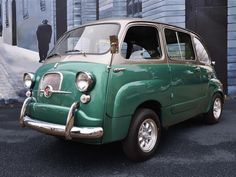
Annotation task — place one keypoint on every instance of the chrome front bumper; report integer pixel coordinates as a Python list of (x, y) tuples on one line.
[(69, 131)]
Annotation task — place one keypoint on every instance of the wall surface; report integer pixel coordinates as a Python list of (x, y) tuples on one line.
[(232, 46), (80, 12), (112, 8), (28, 17), (35, 16), (88, 11), (167, 11), (73, 13), (105, 8)]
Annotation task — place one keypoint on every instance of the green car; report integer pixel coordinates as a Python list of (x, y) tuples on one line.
[(122, 80)]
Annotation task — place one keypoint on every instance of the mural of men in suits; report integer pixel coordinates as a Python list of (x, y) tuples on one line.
[(44, 33)]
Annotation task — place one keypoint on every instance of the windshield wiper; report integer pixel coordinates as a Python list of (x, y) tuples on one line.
[(75, 51), (53, 55)]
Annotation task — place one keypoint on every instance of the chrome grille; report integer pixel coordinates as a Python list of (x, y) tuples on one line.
[(52, 79)]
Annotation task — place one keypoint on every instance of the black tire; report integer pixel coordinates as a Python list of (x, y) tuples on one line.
[(142, 119), (214, 114)]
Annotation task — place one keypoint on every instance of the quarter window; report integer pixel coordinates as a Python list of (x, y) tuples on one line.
[(201, 52), (179, 45), (141, 42)]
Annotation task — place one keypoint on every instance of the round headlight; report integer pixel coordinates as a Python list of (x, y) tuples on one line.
[(84, 81), (28, 80)]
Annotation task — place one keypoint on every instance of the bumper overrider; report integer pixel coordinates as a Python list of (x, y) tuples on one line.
[(69, 131)]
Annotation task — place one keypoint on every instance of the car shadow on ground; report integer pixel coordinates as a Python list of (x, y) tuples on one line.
[(76, 153)]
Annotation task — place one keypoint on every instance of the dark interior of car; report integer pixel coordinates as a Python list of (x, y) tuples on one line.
[(143, 38)]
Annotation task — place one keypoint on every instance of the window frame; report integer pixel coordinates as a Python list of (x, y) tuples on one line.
[(203, 44), (83, 26), (147, 24), (166, 49)]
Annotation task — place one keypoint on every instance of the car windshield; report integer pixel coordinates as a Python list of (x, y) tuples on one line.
[(92, 39)]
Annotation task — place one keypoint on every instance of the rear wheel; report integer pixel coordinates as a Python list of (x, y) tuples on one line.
[(144, 135), (214, 114)]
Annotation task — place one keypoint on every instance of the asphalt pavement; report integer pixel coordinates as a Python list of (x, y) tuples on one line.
[(188, 149)]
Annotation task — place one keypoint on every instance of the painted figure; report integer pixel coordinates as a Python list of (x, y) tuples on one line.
[(44, 33)]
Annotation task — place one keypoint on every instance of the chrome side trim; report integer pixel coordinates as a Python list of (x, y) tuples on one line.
[(57, 91), (59, 130)]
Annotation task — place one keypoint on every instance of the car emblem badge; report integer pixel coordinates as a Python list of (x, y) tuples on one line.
[(48, 91)]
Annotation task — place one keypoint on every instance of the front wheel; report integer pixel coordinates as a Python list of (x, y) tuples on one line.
[(144, 135), (214, 114)]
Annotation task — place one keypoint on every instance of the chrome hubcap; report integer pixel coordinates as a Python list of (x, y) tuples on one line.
[(147, 135), (217, 108)]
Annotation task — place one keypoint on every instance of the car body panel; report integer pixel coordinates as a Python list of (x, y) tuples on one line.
[(58, 104)]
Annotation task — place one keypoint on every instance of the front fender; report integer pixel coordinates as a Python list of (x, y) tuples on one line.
[(126, 101)]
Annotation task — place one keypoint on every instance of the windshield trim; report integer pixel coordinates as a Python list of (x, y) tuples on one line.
[(82, 26)]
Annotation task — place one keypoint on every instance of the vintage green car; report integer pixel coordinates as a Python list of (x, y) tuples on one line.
[(122, 80)]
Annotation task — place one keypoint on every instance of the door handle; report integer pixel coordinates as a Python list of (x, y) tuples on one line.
[(116, 70)]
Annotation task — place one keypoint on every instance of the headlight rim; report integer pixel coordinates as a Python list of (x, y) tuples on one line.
[(90, 84), (32, 78)]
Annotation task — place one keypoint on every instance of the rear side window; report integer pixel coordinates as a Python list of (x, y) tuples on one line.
[(141, 42), (201, 52), (179, 45)]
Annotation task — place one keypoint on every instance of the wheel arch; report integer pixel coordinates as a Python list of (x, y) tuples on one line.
[(222, 95), (220, 92), (153, 105)]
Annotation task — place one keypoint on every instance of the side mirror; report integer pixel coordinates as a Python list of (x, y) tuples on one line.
[(213, 63), (114, 44)]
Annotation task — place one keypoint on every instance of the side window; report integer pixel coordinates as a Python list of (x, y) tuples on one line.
[(179, 45), (201, 52), (141, 42)]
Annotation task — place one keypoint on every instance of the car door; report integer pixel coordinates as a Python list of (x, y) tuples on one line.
[(139, 72), (185, 74)]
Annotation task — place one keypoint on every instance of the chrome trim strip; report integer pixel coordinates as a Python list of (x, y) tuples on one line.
[(59, 130), (57, 91)]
